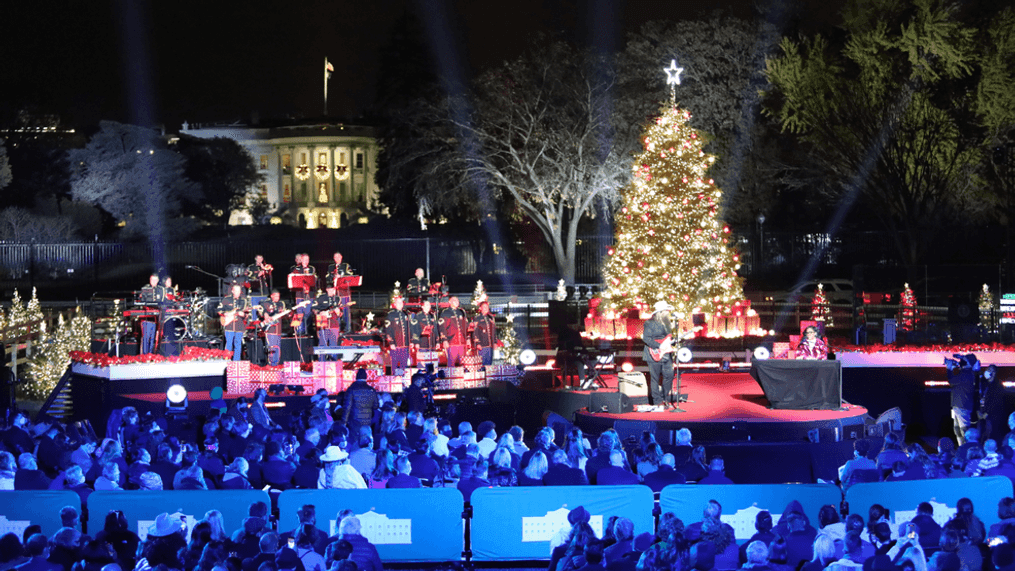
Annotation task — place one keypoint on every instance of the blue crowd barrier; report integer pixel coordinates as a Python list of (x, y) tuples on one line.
[(140, 508), (404, 524), (20, 509), (902, 498), (517, 523), (742, 502)]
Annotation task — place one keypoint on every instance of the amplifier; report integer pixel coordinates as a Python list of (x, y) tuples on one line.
[(632, 384)]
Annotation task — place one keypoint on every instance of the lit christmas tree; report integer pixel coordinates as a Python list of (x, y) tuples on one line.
[(820, 310), (512, 346), (479, 294), (670, 243), (907, 309), (986, 307)]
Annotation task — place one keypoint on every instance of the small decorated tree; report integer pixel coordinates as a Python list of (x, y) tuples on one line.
[(820, 310), (986, 307), (479, 294), (907, 309), (512, 346)]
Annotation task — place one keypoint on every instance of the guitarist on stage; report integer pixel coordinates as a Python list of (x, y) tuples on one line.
[(658, 349), (233, 316), (328, 307), (340, 270), (273, 333)]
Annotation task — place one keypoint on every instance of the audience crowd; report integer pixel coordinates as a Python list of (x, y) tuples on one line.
[(371, 441)]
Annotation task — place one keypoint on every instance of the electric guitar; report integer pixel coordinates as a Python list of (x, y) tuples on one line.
[(228, 317), (271, 319), (667, 346), (324, 316)]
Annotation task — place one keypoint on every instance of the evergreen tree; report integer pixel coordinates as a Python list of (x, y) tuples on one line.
[(670, 242)]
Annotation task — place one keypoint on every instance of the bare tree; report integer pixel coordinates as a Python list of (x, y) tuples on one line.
[(536, 131)]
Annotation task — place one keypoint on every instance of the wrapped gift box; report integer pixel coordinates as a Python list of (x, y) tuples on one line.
[(424, 357), (472, 362), (291, 369), (238, 370), (239, 386), (349, 375), (780, 350), (266, 376)]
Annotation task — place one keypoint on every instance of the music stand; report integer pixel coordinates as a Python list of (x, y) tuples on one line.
[(305, 282), (345, 282)]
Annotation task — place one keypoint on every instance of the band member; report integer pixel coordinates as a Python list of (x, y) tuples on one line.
[(303, 268), (454, 327), (418, 285), (273, 332), (341, 270), (424, 329), (812, 347), (233, 315), (329, 314), (484, 333), (398, 332), (658, 352), (259, 274), (151, 294)]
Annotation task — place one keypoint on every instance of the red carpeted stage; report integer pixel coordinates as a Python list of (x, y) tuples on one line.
[(720, 407)]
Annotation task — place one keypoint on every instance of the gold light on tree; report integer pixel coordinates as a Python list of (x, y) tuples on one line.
[(670, 243)]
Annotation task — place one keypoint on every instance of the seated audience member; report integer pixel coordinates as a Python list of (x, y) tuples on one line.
[(859, 461), (532, 474), (623, 532), (277, 469), (486, 438), (991, 458), (799, 540), (72, 479), (615, 474), (711, 518), (852, 558), (876, 514), (702, 556), (899, 469), (592, 556), (424, 466), (973, 456), (561, 473), (651, 459), (476, 479), (403, 479), (36, 549), (110, 478), (29, 476), (945, 458), (307, 516), (600, 456), (891, 452), (1003, 557), (267, 546), (543, 443), (501, 473), (518, 433), (763, 533), (337, 473), (311, 559), (930, 531), (757, 556), (665, 475), (716, 473), (696, 467), (235, 477), (364, 458), (65, 547), (463, 427), (971, 440), (823, 553), (829, 524), (150, 481), (363, 552), (973, 525), (881, 537), (571, 554), (468, 439), (909, 538)]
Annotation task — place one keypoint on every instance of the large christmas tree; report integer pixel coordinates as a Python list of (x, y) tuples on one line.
[(670, 242)]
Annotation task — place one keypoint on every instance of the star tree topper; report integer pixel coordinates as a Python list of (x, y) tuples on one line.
[(673, 73)]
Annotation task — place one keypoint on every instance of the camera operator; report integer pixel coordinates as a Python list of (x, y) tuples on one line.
[(962, 373), (420, 392)]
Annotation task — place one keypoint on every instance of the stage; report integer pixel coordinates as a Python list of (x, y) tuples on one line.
[(727, 407)]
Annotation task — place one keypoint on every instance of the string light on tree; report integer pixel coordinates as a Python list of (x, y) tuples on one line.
[(820, 310), (986, 307), (907, 309), (511, 346), (670, 243)]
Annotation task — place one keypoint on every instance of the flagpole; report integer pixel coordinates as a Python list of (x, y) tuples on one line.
[(325, 86)]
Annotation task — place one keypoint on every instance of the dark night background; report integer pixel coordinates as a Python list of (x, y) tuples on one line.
[(161, 63)]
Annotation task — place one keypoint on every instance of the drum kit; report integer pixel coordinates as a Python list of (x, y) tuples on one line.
[(185, 317)]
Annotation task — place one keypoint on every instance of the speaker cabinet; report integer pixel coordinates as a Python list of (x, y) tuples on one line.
[(613, 402)]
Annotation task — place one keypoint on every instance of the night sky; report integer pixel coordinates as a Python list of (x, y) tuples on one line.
[(160, 63)]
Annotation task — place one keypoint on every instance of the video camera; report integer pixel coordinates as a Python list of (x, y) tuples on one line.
[(955, 360)]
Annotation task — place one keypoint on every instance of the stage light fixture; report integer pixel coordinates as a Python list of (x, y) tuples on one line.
[(761, 353), (684, 355), (176, 400), (527, 357), (296, 389), (551, 363), (627, 367)]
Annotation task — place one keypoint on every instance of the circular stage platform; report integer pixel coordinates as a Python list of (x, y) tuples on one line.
[(721, 407)]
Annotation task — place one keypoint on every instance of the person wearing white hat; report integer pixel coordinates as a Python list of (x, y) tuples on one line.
[(658, 349), (337, 473)]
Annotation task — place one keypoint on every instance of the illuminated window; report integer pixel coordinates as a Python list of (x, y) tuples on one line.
[(303, 158), (359, 160), (341, 158), (301, 192), (322, 158), (322, 220), (287, 166), (264, 162), (264, 191)]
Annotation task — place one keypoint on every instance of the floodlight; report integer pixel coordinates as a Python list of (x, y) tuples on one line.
[(684, 355), (761, 353), (527, 357)]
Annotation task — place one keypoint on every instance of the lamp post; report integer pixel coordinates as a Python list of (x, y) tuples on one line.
[(761, 241)]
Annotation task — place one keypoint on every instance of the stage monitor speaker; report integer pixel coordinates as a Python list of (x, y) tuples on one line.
[(629, 430), (632, 384), (612, 402), (503, 392)]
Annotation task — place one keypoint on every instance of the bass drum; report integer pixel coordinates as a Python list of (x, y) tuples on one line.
[(174, 328)]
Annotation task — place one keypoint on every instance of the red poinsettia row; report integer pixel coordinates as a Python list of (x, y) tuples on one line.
[(189, 354), (949, 349)]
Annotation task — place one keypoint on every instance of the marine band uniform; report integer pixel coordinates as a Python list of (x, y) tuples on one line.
[(273, 332), (329, 309), (336, 270), (454, 327), (484, 333), (398, 334)]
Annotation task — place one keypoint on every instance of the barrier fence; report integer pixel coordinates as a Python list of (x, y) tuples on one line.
[(428, 525)]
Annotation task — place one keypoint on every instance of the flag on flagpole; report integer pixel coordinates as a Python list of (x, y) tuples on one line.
[(328, 66)]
